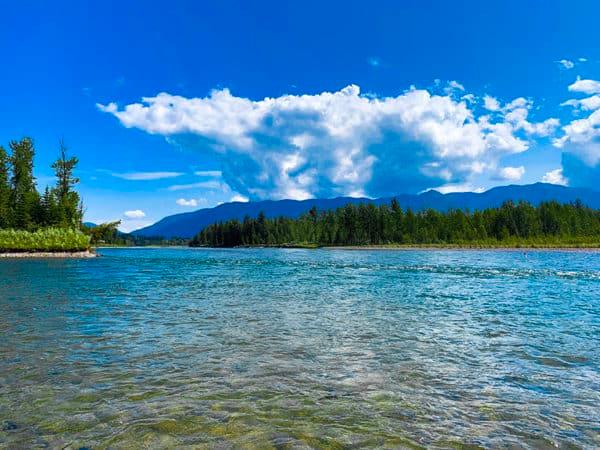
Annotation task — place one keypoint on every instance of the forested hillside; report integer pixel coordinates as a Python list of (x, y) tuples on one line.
[(511, 224), (186, 225)]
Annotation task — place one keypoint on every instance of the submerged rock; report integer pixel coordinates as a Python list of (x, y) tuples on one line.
[(9, 425)]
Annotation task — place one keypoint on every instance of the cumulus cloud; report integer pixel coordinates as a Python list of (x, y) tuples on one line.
[(339, 143), (580, 141), (555, 177), (184, 202), (511, 173), (134, 214), (516, 113), (453, 86), (470, 98), (566, 64), (581, 137), (585, 86), (146, 176), (587, 104), (491, 103)]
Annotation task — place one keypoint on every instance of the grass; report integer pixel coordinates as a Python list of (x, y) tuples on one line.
[(43, 240)]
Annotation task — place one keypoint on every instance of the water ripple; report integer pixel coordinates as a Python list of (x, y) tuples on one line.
[(149, 348)]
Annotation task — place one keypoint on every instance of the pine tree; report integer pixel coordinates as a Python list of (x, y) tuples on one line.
[(51, 214), (5, 210), (69, 203), (24, 198)]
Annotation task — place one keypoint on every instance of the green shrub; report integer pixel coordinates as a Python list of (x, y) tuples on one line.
[(43, 240)]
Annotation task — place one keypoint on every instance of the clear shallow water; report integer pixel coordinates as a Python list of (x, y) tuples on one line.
[(151, 348)]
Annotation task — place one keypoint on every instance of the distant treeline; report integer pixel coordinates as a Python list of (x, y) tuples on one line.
[(22, 207), (108, 234), (367, 224)]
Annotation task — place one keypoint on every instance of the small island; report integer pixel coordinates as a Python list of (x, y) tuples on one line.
[(34, 224)]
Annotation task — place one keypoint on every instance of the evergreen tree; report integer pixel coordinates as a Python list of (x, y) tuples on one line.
[(24, 198), (50, 210), (69, 204), (5, 209)]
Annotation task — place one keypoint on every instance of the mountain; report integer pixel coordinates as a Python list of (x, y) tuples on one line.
[(187, 225)]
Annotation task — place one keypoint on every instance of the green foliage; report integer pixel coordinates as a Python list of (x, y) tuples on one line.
[(103, 233), (5, 194), (24, 199), (44, 240), (21, 206), (511, 225), (69, 211)]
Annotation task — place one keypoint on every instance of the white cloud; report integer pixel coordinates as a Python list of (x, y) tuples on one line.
[(469, 98), (146, 176), (456, 85), (453, 86), (134, 214), (458, 187), (585, 86), (184, 202), (587, 104), (511, 173), (580, 141), (200, 185), (566, 64), (582, 59), (515, 115), (581, 137), (338, 143), (208, 173), (491, 103), (239, 198), (555, 177)]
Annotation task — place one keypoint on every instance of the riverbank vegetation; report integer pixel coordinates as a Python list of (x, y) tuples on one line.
[(43, 240), (550, 224), (32, 221)]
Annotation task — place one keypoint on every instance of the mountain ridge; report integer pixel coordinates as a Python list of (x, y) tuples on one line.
[(186, 225)]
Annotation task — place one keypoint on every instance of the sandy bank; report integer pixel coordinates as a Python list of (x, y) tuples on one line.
[(86, 254)]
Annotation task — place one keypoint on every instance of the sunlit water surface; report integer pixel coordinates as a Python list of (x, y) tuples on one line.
[(163, 348)]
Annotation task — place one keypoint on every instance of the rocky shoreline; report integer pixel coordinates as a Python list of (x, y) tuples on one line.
[(84, 254)]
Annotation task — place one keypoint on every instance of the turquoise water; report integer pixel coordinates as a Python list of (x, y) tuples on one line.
[(163, 348)]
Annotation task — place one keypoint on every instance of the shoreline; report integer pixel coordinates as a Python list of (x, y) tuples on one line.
[(55, 255), (458, 247), (412, 247)]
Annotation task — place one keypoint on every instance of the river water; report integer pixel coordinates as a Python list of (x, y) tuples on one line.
[(268, 348)]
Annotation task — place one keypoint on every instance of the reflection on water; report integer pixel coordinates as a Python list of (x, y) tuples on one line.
[(157, 348)]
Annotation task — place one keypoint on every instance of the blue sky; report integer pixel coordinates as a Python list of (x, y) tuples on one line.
[(272, 100)]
